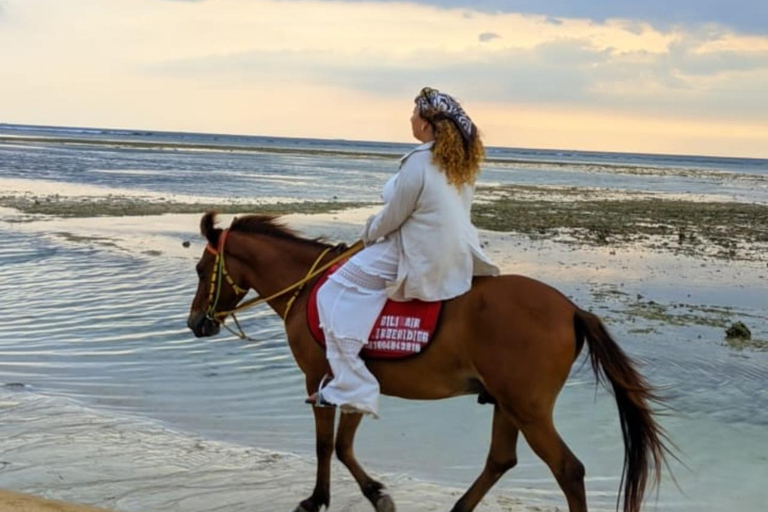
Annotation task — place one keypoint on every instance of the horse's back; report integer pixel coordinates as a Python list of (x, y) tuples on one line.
[(519, 325), (517, 292)]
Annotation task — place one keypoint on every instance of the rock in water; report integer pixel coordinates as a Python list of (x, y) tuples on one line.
[(15, 386), (738, 331)]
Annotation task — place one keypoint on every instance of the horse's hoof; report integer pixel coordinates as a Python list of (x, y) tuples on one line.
[(385, 504), (310, 504), (302, 508)]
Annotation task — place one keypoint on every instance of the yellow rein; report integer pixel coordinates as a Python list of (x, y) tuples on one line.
[(314, 271)]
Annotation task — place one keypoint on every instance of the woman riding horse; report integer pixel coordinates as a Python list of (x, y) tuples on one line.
[(509, 339), (421, 245)]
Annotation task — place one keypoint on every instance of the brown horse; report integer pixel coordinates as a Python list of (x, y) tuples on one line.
[(511, 340)]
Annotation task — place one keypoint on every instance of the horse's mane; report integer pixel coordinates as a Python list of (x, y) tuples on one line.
[(269, 225)]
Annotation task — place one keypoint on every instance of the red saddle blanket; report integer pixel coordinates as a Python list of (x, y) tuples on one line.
[(403, 329)]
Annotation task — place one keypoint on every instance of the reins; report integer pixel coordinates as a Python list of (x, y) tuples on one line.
[(221, 271)]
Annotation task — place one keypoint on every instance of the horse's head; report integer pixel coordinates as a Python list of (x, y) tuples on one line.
[(218, 290)]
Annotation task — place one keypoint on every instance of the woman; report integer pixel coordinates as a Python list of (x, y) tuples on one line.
[(421, 245)]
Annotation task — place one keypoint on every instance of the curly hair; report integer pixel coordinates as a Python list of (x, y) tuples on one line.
[(457, 157)]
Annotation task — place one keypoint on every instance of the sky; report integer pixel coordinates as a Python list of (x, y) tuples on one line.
[(654, 76)]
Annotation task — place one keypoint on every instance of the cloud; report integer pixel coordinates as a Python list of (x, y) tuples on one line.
[(233, 65), (634, 27), (745, 15), (488, 36), (684, 81), (685, 59)]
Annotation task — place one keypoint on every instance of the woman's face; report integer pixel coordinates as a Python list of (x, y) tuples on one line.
[(421, 129)]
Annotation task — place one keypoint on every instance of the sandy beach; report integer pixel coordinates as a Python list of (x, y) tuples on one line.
[(16, 502), (130, 464)]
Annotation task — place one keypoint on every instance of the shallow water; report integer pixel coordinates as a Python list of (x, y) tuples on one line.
[(359, 174), (102, 322), (106, 327)]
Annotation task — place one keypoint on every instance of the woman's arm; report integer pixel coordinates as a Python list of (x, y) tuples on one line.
[(408, 185)]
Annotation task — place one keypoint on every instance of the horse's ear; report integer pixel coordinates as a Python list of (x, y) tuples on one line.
[(208, 228)]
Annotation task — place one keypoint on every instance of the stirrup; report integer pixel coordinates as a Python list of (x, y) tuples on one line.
[(316, 398)]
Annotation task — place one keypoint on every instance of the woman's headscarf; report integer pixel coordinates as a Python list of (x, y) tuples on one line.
[(439, 105)]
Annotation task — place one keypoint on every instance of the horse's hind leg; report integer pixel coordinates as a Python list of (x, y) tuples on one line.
[(567, 469), (372, 489), (501, 458)]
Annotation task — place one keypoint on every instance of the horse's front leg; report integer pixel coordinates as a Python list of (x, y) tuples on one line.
[(372, 489), (321, 496)]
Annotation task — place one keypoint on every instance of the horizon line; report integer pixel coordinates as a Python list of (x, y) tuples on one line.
[(137, 131)]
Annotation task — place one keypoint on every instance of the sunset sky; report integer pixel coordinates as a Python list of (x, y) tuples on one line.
[(661, 76)]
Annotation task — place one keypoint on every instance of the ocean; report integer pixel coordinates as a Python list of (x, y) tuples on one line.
[(94, 332)]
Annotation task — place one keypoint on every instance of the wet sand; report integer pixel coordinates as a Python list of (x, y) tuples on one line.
[(569, 215), (127, 463), (575, 215), (15, 502)]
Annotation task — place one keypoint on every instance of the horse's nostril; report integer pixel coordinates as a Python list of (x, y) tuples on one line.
[(195, 322), (208, 328), (202, 326)]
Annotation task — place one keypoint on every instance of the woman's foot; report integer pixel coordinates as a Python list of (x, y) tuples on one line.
[(317, 400)]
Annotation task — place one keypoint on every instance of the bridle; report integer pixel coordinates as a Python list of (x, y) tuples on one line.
[(214, 289), (220, 274)]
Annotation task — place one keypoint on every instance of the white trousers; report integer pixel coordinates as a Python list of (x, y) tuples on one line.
[(349, 304)]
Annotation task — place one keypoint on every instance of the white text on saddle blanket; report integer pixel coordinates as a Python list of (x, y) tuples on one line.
[(401, 333)]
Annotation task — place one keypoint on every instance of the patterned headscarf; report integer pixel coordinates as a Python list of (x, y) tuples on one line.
[(431, 100)]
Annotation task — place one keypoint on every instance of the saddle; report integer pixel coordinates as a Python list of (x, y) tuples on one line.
[(403, 329)]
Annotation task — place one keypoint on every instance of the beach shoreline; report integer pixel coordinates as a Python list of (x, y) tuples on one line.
[(128, 463), (11, 501), (570, 215)]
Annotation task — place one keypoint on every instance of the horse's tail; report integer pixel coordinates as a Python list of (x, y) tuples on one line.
[(644, 440)]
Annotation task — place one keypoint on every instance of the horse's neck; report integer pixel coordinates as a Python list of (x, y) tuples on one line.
[(277, 264)]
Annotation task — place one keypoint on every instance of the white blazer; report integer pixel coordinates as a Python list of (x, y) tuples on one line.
[(429, 220)]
